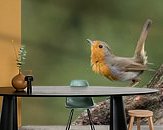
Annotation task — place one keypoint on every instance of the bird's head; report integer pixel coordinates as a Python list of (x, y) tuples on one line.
[(99, 48)]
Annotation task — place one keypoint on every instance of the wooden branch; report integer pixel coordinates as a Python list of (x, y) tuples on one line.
[(157, 80)]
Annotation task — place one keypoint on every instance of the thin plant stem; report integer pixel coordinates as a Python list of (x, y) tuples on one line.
[(14, 49)]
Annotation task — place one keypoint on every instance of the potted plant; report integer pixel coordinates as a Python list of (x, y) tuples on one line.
[(18, 81)]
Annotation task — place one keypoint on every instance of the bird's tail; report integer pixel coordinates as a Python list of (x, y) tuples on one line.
[(140, 54)]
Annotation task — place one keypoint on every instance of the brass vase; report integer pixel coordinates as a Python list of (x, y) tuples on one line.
[(18, 82)]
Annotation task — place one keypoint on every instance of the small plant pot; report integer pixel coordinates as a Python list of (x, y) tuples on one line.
[(18, 82)]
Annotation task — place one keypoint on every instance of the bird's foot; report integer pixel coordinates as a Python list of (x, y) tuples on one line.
[(134, 82)]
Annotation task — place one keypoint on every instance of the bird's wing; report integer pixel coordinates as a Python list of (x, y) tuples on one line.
[(135, 67), (126, 64), (138, 67)]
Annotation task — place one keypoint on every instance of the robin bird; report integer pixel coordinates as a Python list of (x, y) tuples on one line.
[(113, 67)]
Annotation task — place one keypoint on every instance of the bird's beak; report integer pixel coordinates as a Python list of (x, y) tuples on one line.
[(90, 42)]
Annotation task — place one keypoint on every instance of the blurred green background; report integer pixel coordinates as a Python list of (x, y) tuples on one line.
[(55, 33)]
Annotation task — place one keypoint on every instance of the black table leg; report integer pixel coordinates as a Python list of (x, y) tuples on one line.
[(117, 114), (9, 113)]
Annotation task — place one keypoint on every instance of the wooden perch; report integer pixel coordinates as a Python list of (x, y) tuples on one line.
[(154, 102)]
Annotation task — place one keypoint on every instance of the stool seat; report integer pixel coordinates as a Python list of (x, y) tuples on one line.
[(140, 114)]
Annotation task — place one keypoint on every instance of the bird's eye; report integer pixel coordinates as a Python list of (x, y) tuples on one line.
[(100, 46)]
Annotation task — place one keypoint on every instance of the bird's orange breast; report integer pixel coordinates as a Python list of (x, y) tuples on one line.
[(103, 70), (98, 62)]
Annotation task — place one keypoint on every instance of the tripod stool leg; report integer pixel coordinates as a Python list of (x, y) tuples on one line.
[(150, 122), (138, 123), (130, 126)]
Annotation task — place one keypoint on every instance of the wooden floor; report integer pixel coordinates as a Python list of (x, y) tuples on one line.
[(98, 127)]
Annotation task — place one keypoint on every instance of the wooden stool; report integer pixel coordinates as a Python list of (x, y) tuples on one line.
[(140, 114)]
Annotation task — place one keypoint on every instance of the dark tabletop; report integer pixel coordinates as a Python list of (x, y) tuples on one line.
[(62, 91)]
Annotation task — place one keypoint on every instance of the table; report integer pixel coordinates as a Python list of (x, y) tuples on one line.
[(117, 113)]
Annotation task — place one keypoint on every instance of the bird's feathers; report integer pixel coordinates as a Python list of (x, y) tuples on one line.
[(140, 54)]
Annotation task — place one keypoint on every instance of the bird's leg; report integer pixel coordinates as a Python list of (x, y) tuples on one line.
[(134, 82)]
